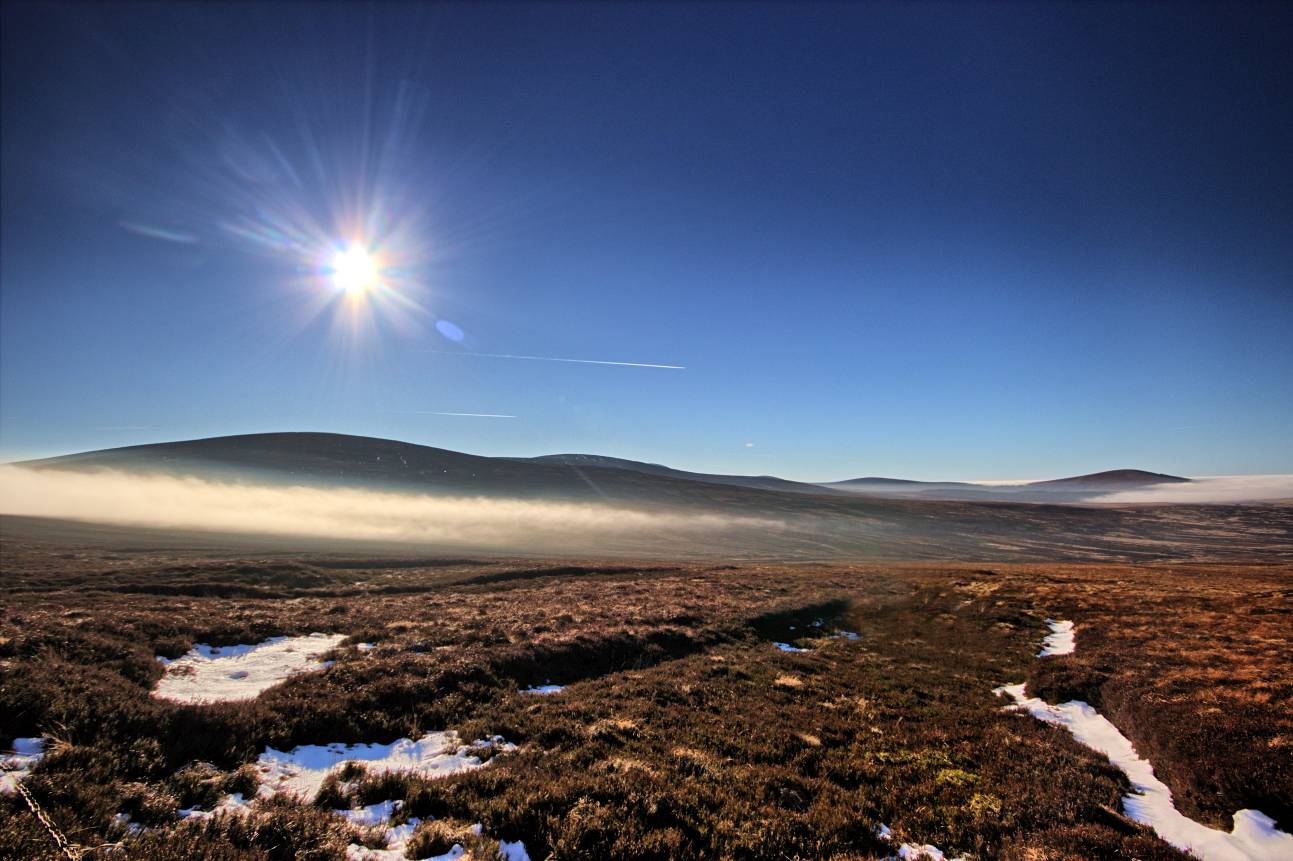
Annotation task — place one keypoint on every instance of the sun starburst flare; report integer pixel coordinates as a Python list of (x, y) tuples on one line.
[(355, 270)]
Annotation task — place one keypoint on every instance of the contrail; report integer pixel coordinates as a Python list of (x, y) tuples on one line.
[(435, 413), (158, 233), (556, 359)]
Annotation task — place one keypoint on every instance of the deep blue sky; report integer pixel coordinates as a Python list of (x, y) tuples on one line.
[(933, 241)]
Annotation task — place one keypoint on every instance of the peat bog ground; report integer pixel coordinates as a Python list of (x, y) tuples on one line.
[(675, 726)]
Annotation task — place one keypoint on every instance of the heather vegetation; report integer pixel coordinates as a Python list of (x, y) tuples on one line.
[(681, 731)]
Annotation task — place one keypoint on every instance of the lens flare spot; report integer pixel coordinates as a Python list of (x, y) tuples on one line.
[(354, 270), (449, 330)]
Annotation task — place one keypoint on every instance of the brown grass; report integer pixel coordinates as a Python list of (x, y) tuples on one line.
[(683, 733)]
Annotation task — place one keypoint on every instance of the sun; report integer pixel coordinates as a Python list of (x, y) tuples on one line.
[(354, 270)]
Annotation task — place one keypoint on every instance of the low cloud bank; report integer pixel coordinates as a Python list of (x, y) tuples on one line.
[(190, 503), (1212, 488)]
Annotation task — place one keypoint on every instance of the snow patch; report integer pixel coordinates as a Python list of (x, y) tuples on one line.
[(454, 853), (543, 689), (397, 837), (365, 647), (208, 674), (786, 647), (123, 820), (373, 814), (512, 851), (913, 851), (17, 765), (1060, 641), (234, 805), (302, 770), (397, 840), (1254, 837)]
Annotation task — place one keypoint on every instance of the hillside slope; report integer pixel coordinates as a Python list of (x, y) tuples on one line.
[(791, 525)]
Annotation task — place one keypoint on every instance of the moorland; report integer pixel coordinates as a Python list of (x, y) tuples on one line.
[(680, 730)]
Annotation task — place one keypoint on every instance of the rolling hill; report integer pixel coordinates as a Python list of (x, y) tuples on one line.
[(1073, 490), (1113, 479), (764, 517), (339, 459), (327, 459)]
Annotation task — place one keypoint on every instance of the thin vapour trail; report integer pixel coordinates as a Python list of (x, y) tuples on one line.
[(438, 413), (557, 359)]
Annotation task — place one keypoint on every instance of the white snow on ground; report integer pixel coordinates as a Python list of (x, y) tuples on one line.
[(402, 755), (397, 839), (18, 764), (1254, 836), (913, 851), (512, 851), (847, 635), (786, 647), (455, 852), (123, 819), (1060, 641), (543, 689), (302, 770), (373, 814), (232, 804), (397, 836), (207, 674), (365, 647)]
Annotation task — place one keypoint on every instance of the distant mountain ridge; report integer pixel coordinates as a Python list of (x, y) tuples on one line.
[(1115, 477), (879, 482), (876, 479), (328, 459), (764, 482), (1078, 488), (747, 517)]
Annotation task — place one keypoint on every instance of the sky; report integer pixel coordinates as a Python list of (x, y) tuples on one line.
[(935, 241)]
